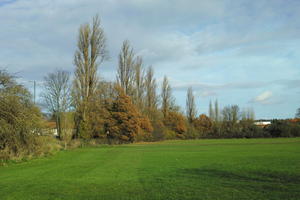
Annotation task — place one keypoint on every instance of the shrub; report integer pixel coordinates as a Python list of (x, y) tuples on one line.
[(123, 121), (192, 132), (158, 130), (20, 122), (279, 128), (175, 121), (295, 130), (203, 125), (169, 134)]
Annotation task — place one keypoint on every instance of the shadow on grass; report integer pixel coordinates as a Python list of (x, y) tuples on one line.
[(213, 183), (245, 176)]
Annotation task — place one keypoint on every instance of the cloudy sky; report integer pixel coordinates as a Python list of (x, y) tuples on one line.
[(244, 52)]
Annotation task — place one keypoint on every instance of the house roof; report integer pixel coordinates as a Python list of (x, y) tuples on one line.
[(51, 124)]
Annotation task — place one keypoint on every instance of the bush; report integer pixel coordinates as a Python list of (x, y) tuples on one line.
[(41, 146), (176, 122), (169, 134), (144, 136), (123, 122), (158, 130), (20, 122), (203, 125), (192, 132), (295, 130), (254, 131), (279, 128)]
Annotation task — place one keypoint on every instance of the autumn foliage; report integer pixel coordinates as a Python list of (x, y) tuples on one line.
[(176, 122), (203, 124), (124, 122)]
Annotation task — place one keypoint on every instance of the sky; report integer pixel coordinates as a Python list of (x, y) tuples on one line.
[(244, 52)]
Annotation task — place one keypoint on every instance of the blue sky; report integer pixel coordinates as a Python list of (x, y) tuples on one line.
[(239, 52)]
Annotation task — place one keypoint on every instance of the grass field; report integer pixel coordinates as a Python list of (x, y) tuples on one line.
[(197, 169)]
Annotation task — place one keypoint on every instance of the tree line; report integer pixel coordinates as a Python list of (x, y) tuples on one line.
[(126, 110), (131, 108)]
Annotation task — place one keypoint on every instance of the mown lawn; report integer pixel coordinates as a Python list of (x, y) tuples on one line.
[(198, 169)]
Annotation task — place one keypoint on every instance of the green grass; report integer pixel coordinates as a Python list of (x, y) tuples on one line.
[(195, 169)]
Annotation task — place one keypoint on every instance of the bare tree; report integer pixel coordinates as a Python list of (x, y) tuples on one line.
[(125, 73), (248, 114), (211, 111), (139, 82), (191, 111), (217, 112), (151, 98), (298, 113), (166, 96), (231, 114), (226, 114), (235, 110), (106, 91), (56, 95), (91, 52)]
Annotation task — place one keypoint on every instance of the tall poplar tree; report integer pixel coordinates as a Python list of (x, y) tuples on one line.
[(90, 53), (166, 97), (190, 105), (217, 112), (211, 111), (139, 83), (125, 73), (151, 100)]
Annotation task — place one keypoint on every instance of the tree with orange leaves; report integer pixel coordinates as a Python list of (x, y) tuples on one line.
[(176, 122), (124, 122), (203, 124)]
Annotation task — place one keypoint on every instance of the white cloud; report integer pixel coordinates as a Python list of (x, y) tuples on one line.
[(224, 86), (207, 93), (264, 97)]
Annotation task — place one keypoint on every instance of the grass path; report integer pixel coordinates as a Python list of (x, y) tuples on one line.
[(197, 169)]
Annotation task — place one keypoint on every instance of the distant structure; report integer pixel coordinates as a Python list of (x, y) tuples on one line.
[(262, 123), (51, 128)]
